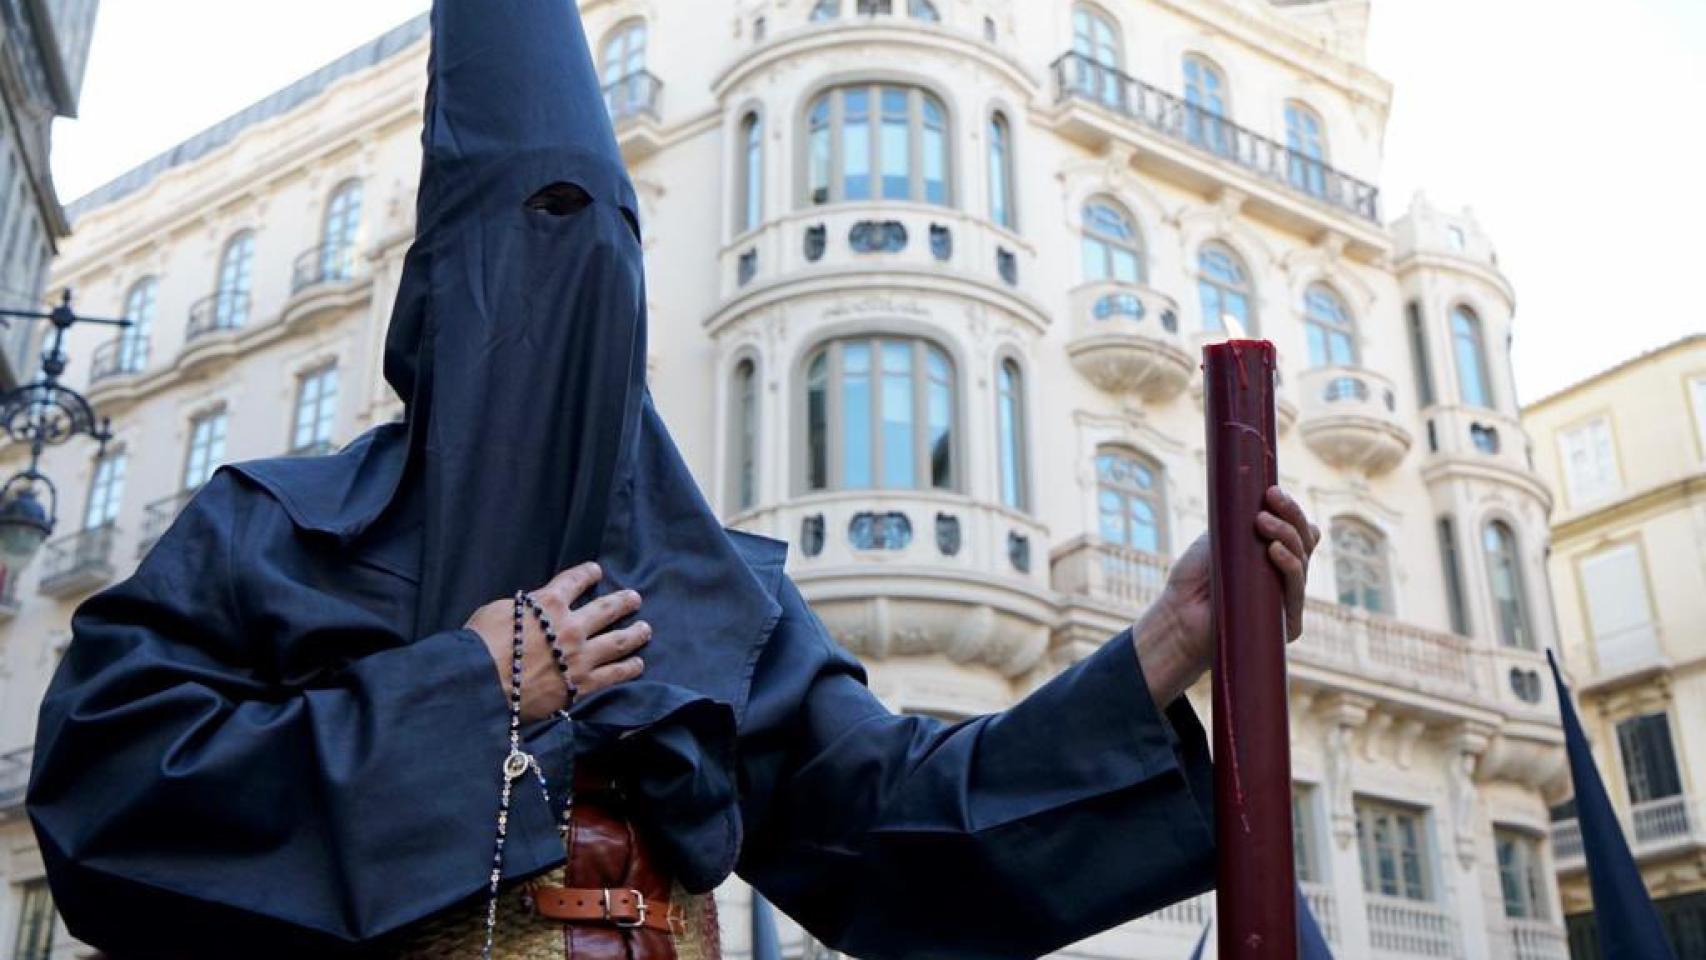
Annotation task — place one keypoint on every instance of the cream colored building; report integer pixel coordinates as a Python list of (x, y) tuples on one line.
[(1626, 449), (928, 283)]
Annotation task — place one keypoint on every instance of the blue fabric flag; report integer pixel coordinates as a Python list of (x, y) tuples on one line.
[(1628, 925), (766, 945), (1312, 945)]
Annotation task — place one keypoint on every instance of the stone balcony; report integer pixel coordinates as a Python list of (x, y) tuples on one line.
[(1349, 417), (935, 579), (78, 563), (215, 323), (1654, 830), (1126, 339), (159, 516), (1411, 928), (1535, 940), (324, 281)]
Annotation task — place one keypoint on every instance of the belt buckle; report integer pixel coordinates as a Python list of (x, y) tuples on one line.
[(615, 921)]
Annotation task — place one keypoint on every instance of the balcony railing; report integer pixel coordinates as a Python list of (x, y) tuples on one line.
[(631, 96), (1410, 928), (325, 264), (14, 780), (78, 562), (1537, 940), (1079, 77), (1651, 827), (227, 310), (1322, 904), (317, 448), (120, 357), (158, 517)]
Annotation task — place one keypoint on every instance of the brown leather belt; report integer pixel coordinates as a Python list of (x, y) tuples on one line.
[(626, 909)]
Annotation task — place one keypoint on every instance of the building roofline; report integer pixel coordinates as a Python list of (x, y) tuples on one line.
[(1692, 339), (371, 54)]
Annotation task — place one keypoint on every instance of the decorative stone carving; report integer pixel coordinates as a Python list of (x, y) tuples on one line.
[(941, 241), (811, 535), (817, 238), (877, 236), (1342, 714), (879, 531), (1468, 745), (948, 534)]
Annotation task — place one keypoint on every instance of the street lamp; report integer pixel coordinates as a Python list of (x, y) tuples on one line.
[(42, 414)]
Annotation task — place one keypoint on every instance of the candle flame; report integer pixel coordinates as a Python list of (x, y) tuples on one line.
[(1234, 327)]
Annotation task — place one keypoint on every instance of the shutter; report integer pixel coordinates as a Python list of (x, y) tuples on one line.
[(1619, 614)]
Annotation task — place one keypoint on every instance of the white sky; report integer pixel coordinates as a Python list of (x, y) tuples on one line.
[(1576, 135)]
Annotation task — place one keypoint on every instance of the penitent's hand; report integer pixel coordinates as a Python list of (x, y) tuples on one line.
[(599, 657), (1175, 637)]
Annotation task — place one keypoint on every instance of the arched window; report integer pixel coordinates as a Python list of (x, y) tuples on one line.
[(236, 268), (1000, 170), (1097, 60), (1468, 346), (1129, 501), (752, 170), (1504, 579), (139, 308), (1332, 333), (826, 10), (745, 433), (886, 141), (880, 413), (1010, 422), (106, 492), (1306, 149), (923, 10), (1206, 95), (1223, 289), (1361, 566), (627, 86), (1110, 244), (339, 234)]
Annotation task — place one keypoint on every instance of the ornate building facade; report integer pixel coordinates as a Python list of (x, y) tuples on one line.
[(1626, 449), (928, 282)]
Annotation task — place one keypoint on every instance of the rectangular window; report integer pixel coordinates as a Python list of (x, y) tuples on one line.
[(1649, 762), (207, 449), (316, 410), (899, 470), (1392, 842), (35, 922), (1521, 874), (897, 144), (856, 144), (1302, 836), (1419, 354), (105, 492), (857, 468), (1620, 614), (1452, 567), (1590, 462)]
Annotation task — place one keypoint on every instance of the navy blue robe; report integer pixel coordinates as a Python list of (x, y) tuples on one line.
[(248, 744)]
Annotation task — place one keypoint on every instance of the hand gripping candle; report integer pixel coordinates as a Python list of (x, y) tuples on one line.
[(1256, 898)]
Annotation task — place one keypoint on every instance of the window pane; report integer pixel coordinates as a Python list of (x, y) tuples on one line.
[(940, 401), (817, 423), (754, 189), (1471, 368), (35, 923), (820, 151), (856, 144), (1095, 256), (1007, 416), (1125, 266), (935, 152), (856, 400), (897, 145), (1000, 188), (900, 469)]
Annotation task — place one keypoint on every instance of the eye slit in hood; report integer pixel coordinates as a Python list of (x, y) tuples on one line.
[(560, 199)]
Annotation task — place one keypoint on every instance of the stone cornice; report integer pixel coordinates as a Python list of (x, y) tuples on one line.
[(1629, 509)]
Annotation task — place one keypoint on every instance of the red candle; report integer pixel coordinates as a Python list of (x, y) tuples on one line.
[(1256, 897)]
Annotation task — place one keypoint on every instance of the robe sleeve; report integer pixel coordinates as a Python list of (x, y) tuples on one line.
[(1006, 836), (206, 773)]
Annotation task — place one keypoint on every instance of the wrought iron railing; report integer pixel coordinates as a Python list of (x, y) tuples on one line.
[(633, 95), (324, 264), (158, 517), (86, 552), (123, 356), (226, 310), (1080, 77)]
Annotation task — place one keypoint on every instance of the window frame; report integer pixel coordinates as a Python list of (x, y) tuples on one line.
[(749, 191), (1208, 127), (106, 491), (209, 450), (919, 134), (1515, 622), (1097, 36), (321, 409), (1640, 789), (619, 40), (745, 413), (1367, 810), (1345, 327), (136, 340), (834, 440), (1475, 339), (1533, 902), (35, 905), (1155, 498), (340, 229), (234, 284), (1012, 437), (1610, 469), (1109, 244), (1224, 288), (1372, 570), (1003, 193), (1307, 160)]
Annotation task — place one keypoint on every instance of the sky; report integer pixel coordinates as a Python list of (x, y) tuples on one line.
[(1571, 128)]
